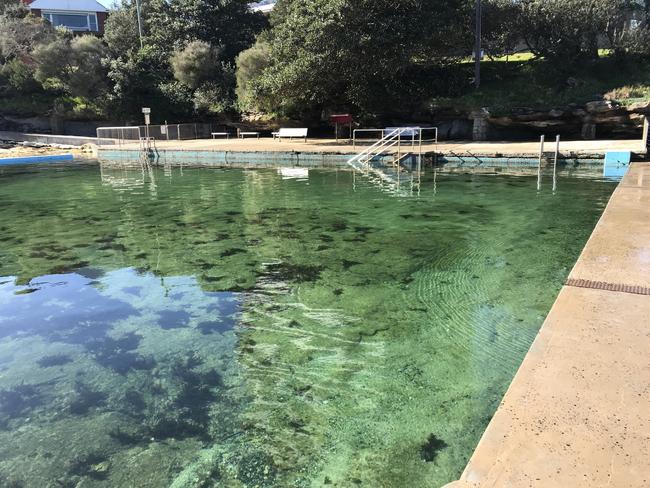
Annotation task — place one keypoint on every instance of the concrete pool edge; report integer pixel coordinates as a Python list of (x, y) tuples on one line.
[(574, 413)]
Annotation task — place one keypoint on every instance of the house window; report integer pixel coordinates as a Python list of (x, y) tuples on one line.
[(73, 21)]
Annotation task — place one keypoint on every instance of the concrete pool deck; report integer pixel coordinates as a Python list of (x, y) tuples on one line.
[(324, 146), (577, 413)]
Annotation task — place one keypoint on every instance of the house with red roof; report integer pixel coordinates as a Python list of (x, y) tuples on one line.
[(76, 15)]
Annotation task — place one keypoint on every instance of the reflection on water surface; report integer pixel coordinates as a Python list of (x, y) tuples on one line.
[(196, 328)]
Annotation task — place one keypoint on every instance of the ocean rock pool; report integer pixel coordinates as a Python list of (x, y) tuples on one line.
[(236, 328)]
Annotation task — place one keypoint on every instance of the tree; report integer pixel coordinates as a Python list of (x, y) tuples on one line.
[(121, 31), (20, 33), (195, 64), (500, 35), (566, 31), (250, 66), (72, 65), (362, 54), (141, 79), (198, 67), (229, 24), (186, 64)]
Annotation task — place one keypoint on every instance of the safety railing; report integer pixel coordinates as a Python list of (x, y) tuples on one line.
[(392, 174), (121, 135), (363, 159), (164, 132), (426, 135)]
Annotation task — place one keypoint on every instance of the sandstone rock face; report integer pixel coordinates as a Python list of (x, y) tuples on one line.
[(601, 106), (640, 108), (601, 118)]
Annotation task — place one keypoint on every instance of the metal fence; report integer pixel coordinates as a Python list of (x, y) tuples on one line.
[(167, 132)]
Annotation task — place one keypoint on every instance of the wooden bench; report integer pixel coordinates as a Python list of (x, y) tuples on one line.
[(291, 133), (220, 134)]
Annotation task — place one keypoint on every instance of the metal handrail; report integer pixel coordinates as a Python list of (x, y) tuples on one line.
[(392, 139), (381, 150), (420, 130), (378, 144)]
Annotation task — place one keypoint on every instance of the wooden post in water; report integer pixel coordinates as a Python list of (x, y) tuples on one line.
[(539, 167)]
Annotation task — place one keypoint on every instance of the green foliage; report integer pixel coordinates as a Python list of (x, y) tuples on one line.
[(534, 84), (185, 67), (250, 66), (213, 98), (13, 8), (567, 31), (121, 31), (371, 57), (633, 42), (72, 65), (20, 33), (137, 81), (20, 76), (195, 64), (362, 54), (499, 29), (229, 24)]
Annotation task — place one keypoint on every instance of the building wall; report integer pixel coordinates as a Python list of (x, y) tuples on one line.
[(101, 20)]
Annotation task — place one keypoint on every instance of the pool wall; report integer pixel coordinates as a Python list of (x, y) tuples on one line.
[(274, 159), (36, 159)]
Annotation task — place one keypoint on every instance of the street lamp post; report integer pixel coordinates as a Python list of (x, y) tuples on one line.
[(477, 47), (137, 9)]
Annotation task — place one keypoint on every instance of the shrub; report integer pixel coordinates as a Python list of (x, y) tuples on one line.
[(250, 65), (195, 64), (628, 92)]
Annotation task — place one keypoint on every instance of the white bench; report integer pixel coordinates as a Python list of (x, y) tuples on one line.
[(252, 134), (220, 134), (291, 133)]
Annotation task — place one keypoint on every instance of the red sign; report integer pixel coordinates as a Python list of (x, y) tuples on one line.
[(341, 119)]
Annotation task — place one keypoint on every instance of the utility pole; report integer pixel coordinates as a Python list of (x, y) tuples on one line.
[(477, 47), (137, 9)]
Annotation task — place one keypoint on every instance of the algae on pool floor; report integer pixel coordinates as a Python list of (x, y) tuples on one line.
[(236, 329)]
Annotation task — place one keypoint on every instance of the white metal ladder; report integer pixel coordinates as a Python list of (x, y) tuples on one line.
[(362, 160)]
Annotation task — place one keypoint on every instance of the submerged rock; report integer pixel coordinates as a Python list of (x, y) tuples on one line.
[(430, 449)]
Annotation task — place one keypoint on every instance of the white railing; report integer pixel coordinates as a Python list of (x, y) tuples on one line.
[(408, 140), (427, 135), (364, 158)]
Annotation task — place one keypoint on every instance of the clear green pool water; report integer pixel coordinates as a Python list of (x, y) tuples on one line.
[(203, 328)]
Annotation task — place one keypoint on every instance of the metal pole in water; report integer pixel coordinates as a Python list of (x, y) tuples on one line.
[(539, 166), (399, 147), (557, 152), (420, 154)]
